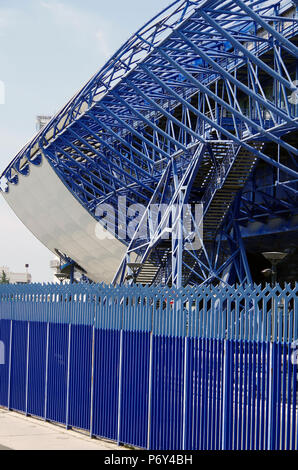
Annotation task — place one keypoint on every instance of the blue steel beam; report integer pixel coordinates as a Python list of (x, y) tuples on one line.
[(225, 105), (253, 58), (165, 91), (133, 179), (230, 136), (135, 132), (129, 163), (238, 84), (259, 20), (110, 189), (169, 116)]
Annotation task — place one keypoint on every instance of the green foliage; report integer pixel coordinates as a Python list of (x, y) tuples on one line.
[(4, 278)]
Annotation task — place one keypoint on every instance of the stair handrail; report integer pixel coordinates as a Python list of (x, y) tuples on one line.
[(219, 175)]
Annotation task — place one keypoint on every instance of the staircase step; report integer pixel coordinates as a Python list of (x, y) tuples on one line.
[(219, 204)]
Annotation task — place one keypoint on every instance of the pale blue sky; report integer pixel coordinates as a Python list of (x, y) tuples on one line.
[(48, 50)]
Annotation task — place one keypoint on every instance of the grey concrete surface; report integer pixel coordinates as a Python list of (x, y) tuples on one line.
[(18, 432)]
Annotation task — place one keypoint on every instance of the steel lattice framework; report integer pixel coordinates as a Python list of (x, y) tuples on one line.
[(187, 111)]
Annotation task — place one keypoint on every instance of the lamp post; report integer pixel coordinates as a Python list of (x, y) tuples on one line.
[(274, 257), (27, 267), (61, 277)]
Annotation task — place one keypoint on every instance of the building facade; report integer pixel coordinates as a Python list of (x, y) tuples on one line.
[(16, 278)]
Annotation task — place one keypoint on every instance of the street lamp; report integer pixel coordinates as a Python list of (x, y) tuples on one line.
[(274, 257), (61, 277), (27, 273)]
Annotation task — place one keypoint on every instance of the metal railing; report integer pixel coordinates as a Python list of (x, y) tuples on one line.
[(155, 367)]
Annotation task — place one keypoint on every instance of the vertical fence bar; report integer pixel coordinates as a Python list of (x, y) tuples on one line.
[(68, 378), (272, 397), (289, 399), (46, 374), (92, 382), (9, 368), (230, 394), (185, 395), (200, 367), (245, 390), (269, 398), (267, 393), (120, 385), (220, 394), (258, 396), (150, 392), (225, 397), (240, 395), (214, 392), (282, 407), (236, 404), (294, 411), (201, 392), (253, 401), (27, 368), (210, 385), (204, 394), (4, 361)]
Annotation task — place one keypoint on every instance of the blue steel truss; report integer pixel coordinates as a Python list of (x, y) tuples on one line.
[(186, 112)]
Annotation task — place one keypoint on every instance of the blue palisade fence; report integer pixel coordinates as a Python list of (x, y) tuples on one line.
[(155, 367)]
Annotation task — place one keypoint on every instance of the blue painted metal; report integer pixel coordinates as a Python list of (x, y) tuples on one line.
[(200, 367), (5, 327), (134, 386), (17, 398), (80, 377), (37, 369), (198, 73), (106, 383), (168, 393), (57, 373)]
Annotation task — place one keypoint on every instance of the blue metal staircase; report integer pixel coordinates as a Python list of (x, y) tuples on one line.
[(219, 184), (182, 113)]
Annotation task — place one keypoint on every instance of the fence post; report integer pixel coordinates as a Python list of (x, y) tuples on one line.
[(150, 391), (92, 381), (27, 366), (9, 367), (272, 397), (120, 385), (186, 364), (225, 398), (68, 378), (46, 374)]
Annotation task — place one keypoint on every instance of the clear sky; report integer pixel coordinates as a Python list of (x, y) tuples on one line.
[(48, 50)]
